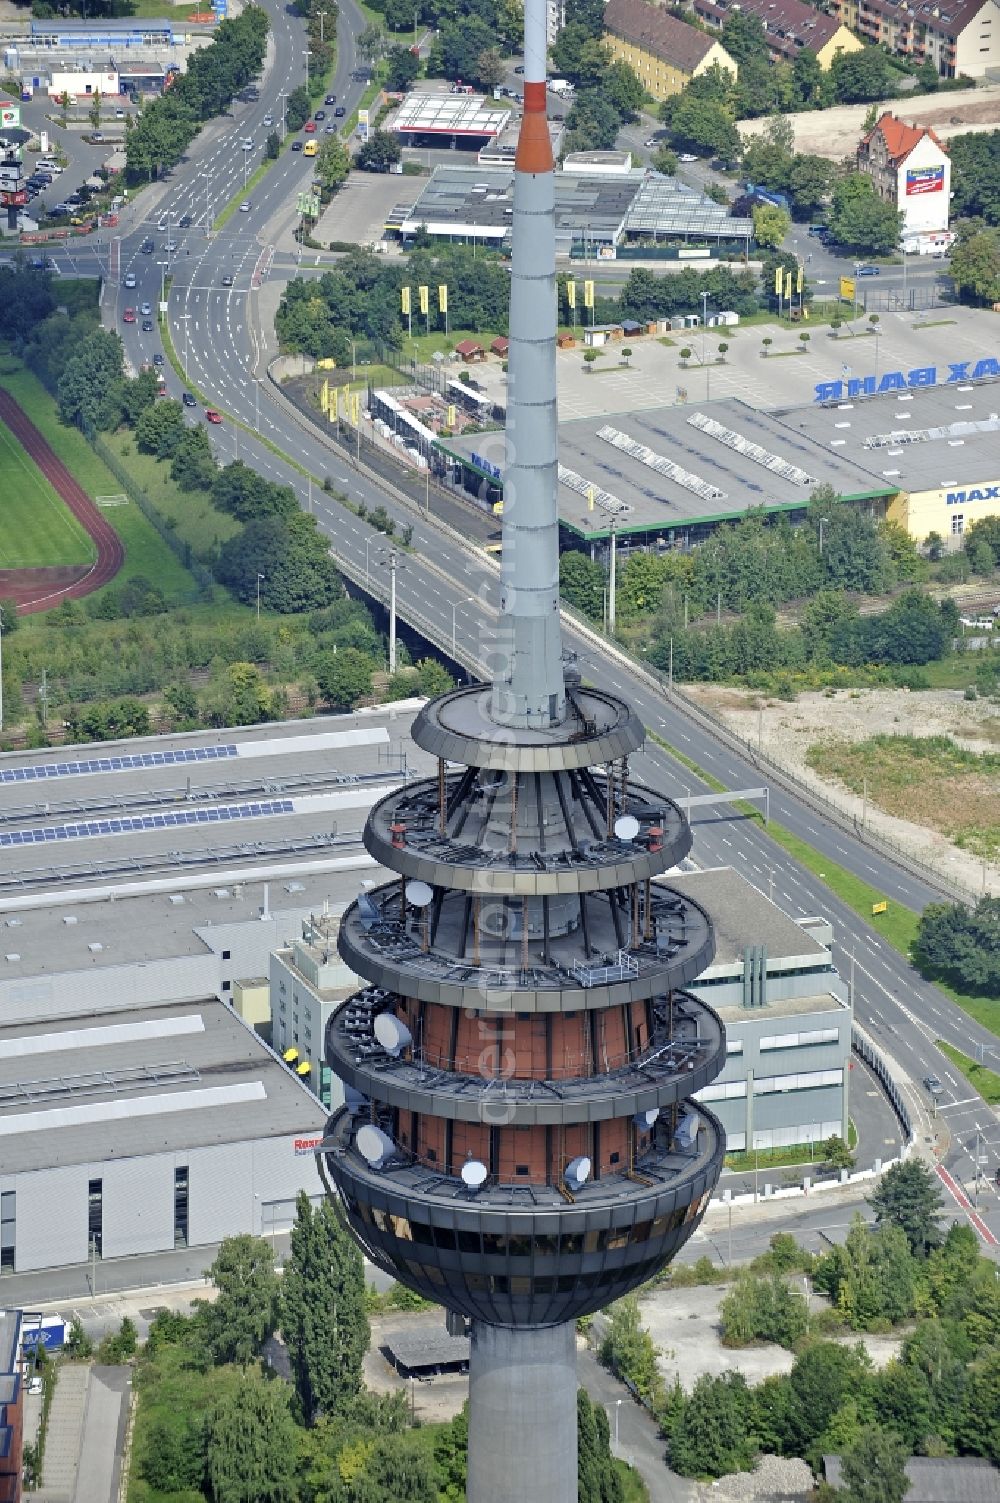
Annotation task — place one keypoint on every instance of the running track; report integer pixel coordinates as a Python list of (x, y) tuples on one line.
[(110, 552)]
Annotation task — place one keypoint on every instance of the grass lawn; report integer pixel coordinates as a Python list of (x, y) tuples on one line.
[(424, 346), (190, 512), (928, 779), (781, 1158), (985, 1081), (38, 527), (145, 551)]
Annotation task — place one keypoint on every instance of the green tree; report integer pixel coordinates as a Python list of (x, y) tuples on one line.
[(978, 1425), (810, 179), (623, 90), (372, 43), (298, 107), (244, 1313), (763, 1309), (434, 678), (159, 428), (859, 218), (173, 1454), (581, 582), (401, 69), (490, 69), (975, 176), (907, 1196), (975, 265), (628, 1349), (809, 80), (379, 152), (293, 557), (702, 125), (712, 1436), (959, 944), (664, 160), (744, 37), (323, 1318), (272, 146), (64, 101), (860, 76), (95, 109), (90, 387), (874, 1468), (344, 678), (251, 1442), (822, 1378), (837, 1154), (770, 224)]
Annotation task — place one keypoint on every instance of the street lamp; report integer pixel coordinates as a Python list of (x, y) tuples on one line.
[(259, 578), (368, 542), (322, 21), (208, 223), (454, 622), (876, 331), (246, 152), (392, 564), (823, 522), (284, 123), (163, 282)]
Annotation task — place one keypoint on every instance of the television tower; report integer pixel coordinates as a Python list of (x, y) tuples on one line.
[(519, 1143)]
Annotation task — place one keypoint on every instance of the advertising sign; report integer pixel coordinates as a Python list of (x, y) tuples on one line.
[(924, 375), (17, 199), (976, 493), (847, 289), (305, 1146), (924, 180), (10, 117), (364, 118)]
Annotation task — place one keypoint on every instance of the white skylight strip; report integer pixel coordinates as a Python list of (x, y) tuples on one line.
[(142, 1106), (96, 1038)]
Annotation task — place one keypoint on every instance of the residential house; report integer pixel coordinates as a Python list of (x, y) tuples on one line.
[(664, 52), (790, 25), (909, 168), (958, 36)]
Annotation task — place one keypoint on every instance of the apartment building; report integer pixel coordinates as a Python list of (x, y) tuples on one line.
[(909, 168), (959, 38), (664, 52), (790, 25)]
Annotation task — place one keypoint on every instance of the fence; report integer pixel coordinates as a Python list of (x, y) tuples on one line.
[(864, 1047)]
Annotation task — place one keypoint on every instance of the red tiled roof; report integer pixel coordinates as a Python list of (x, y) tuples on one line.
[(899, 138), (940, 16), (801, 25), (468, 347), (656, 31)]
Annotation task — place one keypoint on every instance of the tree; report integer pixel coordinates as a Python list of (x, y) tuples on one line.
[(251, 1441), (380, 152), (712, 1435), (9, 620), (581, 582), (95, 109), (272, 146), (372, 43), (598, 1479), (490, 69), (978, 1424), (298, 107), (434, 678), (975, 176), (860, 76), (593, 122), (699, 124), (244, 1315), (770, 224), (332, 164), (90, 387), (159, 428), (628, 1349), (859, 218), (822, 1378), (64, 101), (874, 1468), (664, 160), (173, 1455), (401, 68), (975, 265), (344, 678), (323, 1318), (763, 1309), (744, 37), (623, 90), (836, 1154), (809, 181), (959, 944), (907, 1196), (293, 557), (809, 80)]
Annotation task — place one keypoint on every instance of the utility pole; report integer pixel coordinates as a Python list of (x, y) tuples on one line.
[(864, 805), (670, 668), (392, 564), (259, 578)]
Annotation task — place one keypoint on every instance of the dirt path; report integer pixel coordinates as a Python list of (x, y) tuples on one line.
[(41, 589), (787, 730)]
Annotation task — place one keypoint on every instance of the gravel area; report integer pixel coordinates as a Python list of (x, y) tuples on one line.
[(773, 1479), (787, 729), (835, 133)]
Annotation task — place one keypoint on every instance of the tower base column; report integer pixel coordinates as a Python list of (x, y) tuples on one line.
[(522, 1412)]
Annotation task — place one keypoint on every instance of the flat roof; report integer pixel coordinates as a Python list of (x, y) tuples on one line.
[(418, 1349), (185, 1076), (705, 478), (742, 915), (780, 1007), (117, 811), (926, 438), (450, 115)]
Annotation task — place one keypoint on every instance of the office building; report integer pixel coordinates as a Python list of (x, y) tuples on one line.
[(308, 982)]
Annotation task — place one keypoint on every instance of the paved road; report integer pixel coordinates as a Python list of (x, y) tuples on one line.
[(634, 1434)]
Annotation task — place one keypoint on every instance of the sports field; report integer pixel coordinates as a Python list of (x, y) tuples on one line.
[(37, 529)]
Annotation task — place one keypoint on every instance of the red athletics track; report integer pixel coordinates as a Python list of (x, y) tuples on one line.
[(35, 589)]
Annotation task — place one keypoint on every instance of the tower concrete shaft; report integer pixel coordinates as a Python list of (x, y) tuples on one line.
[(522, 1413), (528, 691)]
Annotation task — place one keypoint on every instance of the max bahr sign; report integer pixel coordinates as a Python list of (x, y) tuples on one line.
[(924, 375)]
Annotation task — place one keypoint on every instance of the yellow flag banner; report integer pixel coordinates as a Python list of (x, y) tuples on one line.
[(588, 294), (404, 297), (778, 280), (799, 279), (788, 285), (443, 298), (424, 294), (356, 409), (324, 395), (571, 294), (451, 416)]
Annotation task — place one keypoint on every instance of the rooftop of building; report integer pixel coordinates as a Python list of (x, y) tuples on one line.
[(434, 113), (899, 137), (778, 1007), (186, 1076), (948, 19), (704, 478), (939, 1479), (742, 915), (658, 32), (925, 438), (205, 802), (10, 1339), (791, 19)]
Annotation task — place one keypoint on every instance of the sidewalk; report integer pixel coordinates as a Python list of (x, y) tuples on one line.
[(65, 1434)]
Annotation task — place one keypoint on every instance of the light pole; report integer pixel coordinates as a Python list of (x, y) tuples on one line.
[(163, 282), (284, 124), (246, 153), (208, 223), (259, 578), (612, 581), (618, 1405), (368, 542), (454, 622), (823, 522), (876, 331), (322, 23), (392, 564)]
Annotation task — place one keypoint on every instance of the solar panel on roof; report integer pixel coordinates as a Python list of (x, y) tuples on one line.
[(128, 824), (126, 762)]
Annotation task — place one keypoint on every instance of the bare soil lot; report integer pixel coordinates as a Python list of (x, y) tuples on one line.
[(923, 803), (835, 133)]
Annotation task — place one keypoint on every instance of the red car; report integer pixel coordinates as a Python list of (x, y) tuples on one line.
[(128, 317), (310, 127), (212, 415)]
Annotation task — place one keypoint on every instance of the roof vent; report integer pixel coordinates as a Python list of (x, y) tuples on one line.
[(14, 923), (95, 947), (13, 956), (69, 918), (176, 898), (295, 887), (221, 892)]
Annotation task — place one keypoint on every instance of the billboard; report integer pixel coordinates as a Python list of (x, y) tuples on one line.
[(924, 180), (10, 117), (847, 288), (16, 199)]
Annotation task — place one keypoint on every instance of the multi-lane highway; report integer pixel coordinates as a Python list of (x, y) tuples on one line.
[(451, 593)]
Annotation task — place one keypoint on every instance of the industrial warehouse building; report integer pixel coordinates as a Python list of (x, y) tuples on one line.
[(136, 935), (786, 1013)]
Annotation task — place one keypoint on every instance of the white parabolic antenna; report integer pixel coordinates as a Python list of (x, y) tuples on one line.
[(419, 894), (626, 827), (474, 1174), (391, 1032), (646, 1119), (577, 1172), (373, 1144)]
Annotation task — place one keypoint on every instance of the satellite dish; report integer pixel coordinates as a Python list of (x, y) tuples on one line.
[(577, 1172), (419, 894), (626, 827), (374, 1145), (391, 1033), (646, 1119), (474, 1174)]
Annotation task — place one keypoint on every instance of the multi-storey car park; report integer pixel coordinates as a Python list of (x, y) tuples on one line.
[(520, 1142)]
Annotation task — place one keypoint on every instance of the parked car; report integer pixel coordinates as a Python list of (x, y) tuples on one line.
[(188, 399), (212, 415), (128, 317), (35, 1384), (687, 156)]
